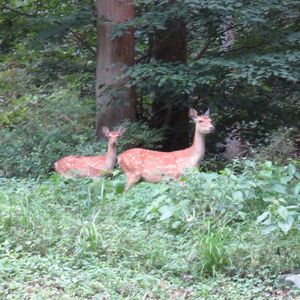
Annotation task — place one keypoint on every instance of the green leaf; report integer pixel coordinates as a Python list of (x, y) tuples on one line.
[(166, 211), (242, 215), (266, 174), (297, 189), (283, 212), (279, 188), (268, 229), (263, 217), (269, 199), (286, 226), (286, 179), (291, 169), (176, 224), (210, 176), (119, 188), (238, 195), (268, 164)]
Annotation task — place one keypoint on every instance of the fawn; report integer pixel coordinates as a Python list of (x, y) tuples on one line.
[(91, 166), (154, 166)]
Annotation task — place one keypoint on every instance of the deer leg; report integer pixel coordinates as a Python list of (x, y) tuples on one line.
[(131, 180), (176, 178), (66, 175)]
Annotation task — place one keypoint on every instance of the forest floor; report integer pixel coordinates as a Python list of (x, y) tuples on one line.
[(83, 239)]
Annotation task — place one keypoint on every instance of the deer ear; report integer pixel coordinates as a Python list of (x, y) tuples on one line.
[(207, 112), (121, 130), (193, 113), (105, 131)]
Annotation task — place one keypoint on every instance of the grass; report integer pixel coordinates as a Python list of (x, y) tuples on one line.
[(83, 239)]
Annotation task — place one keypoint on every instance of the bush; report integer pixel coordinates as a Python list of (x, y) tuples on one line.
[(259, 198), (280, 146)]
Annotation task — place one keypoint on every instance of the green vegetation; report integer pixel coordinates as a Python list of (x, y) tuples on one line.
[(222, 235), (225, 232)]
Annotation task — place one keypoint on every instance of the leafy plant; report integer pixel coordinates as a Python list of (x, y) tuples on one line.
[(279, 147), (281, 192), (209, 255)]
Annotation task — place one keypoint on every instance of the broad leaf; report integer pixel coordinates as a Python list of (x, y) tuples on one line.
[(263, 217), (268, 229), (166, 211), (283, 212), (285, 226)]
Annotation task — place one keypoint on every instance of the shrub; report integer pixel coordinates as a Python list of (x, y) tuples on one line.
[(225, 215), (280, 146), (45, 133)]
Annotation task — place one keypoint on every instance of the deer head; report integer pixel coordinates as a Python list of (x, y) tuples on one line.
[(113, 136), (203, 122)]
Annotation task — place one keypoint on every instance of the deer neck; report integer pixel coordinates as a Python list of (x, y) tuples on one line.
[(198, 146), (111, 156)]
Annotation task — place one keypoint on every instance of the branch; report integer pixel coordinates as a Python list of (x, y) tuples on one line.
[(210, 41), (242, 48), (18, 12), (83, 41), (203, 50), (145, 56), (79, 38)]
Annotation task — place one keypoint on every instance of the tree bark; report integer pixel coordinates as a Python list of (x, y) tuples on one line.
[(170, 110), (114, 101)]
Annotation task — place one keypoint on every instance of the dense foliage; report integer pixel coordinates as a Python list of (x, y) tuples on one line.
[(252, 79)]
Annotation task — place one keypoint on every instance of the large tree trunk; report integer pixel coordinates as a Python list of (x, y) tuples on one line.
[(115, 103), (170, 110)]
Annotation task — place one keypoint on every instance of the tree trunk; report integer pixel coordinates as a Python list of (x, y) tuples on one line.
[(228, 37), (170, 110), (233, 141), (114, 101)]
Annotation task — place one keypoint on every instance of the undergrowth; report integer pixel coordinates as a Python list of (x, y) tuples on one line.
[(220, 235), (35, 131)]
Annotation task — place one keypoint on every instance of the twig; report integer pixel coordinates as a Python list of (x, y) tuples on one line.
[(203, 50)]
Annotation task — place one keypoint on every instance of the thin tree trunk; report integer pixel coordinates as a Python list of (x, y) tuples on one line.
[(169, 109), (228, 37), (115, 102), (233, 142)]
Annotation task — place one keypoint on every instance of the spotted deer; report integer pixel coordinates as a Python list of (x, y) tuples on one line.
[(154, 166), (91, 166)]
